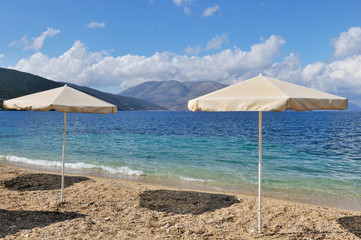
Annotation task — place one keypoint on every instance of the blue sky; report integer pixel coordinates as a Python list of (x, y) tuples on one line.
[(112, 45)]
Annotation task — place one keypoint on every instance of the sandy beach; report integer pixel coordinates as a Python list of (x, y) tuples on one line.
[(100, 208)]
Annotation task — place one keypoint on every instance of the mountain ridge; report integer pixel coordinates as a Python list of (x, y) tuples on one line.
[(152, 95), (15, 83), (173, 95)]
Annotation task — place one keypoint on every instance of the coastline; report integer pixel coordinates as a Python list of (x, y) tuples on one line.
[(107, 208), (321, 199)]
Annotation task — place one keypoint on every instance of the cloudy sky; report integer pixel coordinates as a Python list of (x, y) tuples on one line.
[(113, 45)]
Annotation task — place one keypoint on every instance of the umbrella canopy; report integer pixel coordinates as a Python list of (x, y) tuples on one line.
[(266, 94), (63, 99)]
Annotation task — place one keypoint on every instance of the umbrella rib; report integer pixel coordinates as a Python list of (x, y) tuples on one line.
[(278, 89)]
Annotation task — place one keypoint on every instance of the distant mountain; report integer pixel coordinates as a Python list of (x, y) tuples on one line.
[(122, 102), (15, 84), (173, 95), (353, 107)]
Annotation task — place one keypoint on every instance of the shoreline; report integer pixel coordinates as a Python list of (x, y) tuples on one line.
[(104, 208), (312, 198)]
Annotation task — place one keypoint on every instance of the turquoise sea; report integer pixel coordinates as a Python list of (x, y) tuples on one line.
[(307, 156)]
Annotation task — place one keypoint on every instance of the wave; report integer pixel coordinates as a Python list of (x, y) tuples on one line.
[(80, 165), (193, 179), (123, 170)]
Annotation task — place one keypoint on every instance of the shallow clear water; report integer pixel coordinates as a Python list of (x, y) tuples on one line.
[(317, 153)]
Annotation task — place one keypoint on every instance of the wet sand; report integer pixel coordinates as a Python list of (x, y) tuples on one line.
[(101, 208)]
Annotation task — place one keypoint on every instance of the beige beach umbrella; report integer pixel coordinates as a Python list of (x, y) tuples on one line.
[(63, 99), (266, 94)]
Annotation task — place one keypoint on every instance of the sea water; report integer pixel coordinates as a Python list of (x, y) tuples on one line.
[(307, 156)]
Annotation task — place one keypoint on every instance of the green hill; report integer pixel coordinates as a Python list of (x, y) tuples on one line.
[(15, 84)]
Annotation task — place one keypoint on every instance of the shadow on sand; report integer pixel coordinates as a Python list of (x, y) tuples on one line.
[(184, 202), (351, 224), (16, 221), (41, 181)]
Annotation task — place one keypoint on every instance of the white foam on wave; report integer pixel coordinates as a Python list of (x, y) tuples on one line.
[(37, 162), (192, 179), (79, 165), (123, 170)]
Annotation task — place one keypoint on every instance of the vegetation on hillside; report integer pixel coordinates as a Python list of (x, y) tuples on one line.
[(15, 84)]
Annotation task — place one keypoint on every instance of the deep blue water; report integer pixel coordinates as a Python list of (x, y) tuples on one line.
[(303, 152)]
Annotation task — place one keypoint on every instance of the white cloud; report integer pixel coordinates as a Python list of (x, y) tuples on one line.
[(72, 66), (12, 44), (1, 55), (193, 51), (187, 11), (96, 25), (217, 42), (98, 69), (289, 69), (210, 11), (178, 2), (185, 3), (347, 43), (20, 43), (342, 76), (37, 43)]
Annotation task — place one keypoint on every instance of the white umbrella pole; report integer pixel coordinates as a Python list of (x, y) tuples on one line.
[(62, 170), (259, 169)]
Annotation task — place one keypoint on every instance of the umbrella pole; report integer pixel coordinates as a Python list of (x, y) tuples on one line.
[(63, 163), (259, 169)]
